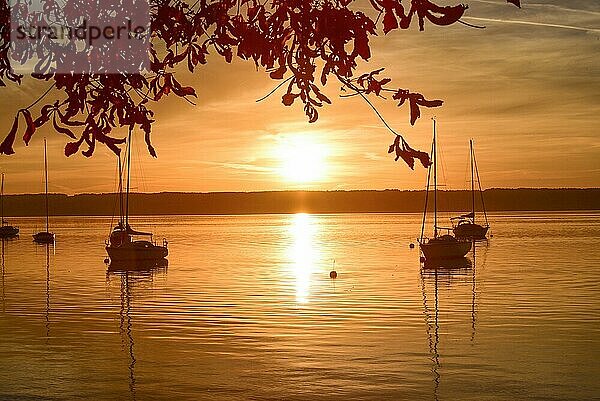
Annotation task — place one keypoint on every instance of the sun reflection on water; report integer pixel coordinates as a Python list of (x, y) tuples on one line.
[(304, 253)]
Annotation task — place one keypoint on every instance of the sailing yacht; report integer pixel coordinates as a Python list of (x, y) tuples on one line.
[(464, 226), (124, 243), (441, 246), (6, 230), (45, 237)]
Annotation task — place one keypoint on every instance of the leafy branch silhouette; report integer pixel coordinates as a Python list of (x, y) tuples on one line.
[(303, 43)]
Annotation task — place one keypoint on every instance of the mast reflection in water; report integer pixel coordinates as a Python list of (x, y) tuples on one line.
[(132, 276), (303, 253), (445, 276)]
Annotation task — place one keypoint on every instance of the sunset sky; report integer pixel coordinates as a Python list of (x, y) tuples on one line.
[(526, 88)]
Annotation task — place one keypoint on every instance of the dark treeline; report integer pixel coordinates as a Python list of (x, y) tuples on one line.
[(302, 201)]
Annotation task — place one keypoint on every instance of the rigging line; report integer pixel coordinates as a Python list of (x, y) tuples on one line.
[(426, 197), (142, 186), (435, 160), (480, 191), (443, 201), (128, 176), (472, 179), (117, 192), (46, 185)]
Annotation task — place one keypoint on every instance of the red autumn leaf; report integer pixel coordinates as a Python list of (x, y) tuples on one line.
[(72, 147), (91, 146), (149, 144), (417, 154), (443, 15), (406, 156), (288, 98), (62, 130), (30, 129), (278, 73), (7, 145)]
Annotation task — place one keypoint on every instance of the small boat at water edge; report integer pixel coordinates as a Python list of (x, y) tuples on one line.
[(464, 226), (445, 247), (45, 237), (125, 245), (440, 247), (6, 230)]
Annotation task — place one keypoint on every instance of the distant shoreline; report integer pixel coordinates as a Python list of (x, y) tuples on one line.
[(317, 202)]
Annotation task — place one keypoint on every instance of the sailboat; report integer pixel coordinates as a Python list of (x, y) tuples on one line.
[(45, 237), (6, 230), (465, 225), (442, 246), (124, 243)]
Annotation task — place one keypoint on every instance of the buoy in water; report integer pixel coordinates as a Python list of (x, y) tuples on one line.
[(333, 274), (411, 246)]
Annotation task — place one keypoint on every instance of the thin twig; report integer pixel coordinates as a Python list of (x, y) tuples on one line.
[(357, 90), (41, 97), (471, 25), (273, 91)]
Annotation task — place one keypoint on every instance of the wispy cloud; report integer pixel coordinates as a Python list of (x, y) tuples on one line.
[(545, 6), (543, 24)]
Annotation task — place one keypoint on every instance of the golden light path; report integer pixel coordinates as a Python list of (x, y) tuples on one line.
[(304, 253)]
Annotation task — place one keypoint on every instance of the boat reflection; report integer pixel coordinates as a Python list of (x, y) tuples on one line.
[(131, 275), (446, 273), (304, 253), (47, 316), (3, 273), (141, 266), (453, 266)]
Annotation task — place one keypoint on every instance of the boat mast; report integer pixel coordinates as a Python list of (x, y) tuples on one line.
[(426, 198), (121, 222), (434, 183), (480, 191), (2, 200), (46, 178), (128, 178), (472, 180)]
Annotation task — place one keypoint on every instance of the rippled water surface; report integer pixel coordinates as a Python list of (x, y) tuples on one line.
[(246, 310)]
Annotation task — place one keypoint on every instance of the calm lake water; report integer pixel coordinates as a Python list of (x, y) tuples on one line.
[(246, 310)]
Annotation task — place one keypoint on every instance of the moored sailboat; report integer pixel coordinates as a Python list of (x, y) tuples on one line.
[(6, 230), (124, 243), (45, 237), (464, 226), (441, 246)]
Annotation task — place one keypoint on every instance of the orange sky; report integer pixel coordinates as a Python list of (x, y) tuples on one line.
[(526, 89)]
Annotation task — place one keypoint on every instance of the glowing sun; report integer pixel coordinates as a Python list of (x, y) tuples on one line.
[(302, 160)]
